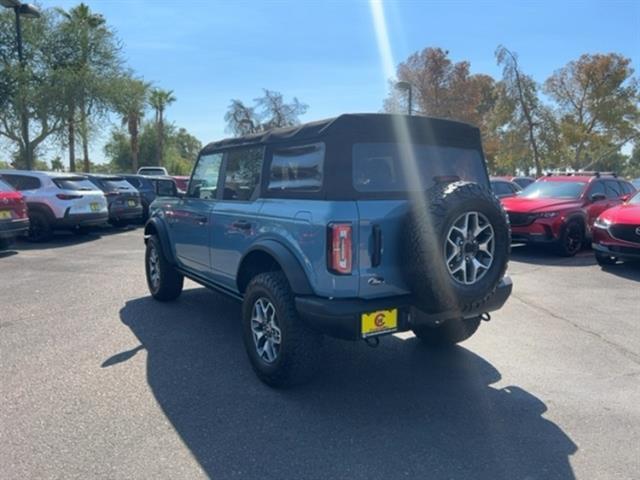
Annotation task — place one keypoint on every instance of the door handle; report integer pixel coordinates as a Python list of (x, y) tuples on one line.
[(242, 225)]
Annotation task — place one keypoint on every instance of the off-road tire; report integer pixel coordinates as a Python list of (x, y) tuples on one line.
[(605, 260), (449, 333), (40, 229), (572, 238), (169, 287), (422, 247), (299, 354)]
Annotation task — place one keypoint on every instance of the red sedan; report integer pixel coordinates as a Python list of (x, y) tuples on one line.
[(616, 233), (13, 215)]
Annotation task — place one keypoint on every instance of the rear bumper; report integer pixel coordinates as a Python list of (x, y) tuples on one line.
[(126, 213), (13, 228), (81, 220), (341, 318)]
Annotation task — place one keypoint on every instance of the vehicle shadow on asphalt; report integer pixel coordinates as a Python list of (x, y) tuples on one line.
[(62, 239), (628, 270), (398, 411), (538, 255)]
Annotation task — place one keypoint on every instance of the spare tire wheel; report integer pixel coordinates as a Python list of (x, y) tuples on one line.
[(455, 247)]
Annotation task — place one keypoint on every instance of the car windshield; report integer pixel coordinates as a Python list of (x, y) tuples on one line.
[(74, 183), (4, 187), (388, 167), (544, 189), (114, 184)]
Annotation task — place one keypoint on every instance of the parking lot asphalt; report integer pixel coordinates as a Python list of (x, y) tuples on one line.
[(99, 381)]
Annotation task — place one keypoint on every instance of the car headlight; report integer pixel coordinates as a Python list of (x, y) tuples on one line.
[(602, 223), (546, 214)]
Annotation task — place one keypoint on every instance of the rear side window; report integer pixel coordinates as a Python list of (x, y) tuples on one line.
[(393, 167), (22, 182), (74, 183), (204, 182), (597, 188), (5, 187), (627, 188), (297, 168), (501, 188), (135, 182), (242, 173), (613, 189)]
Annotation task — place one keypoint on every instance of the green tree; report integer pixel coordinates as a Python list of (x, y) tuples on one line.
[(597, 99), (32, 89), (269, 111), (93, 60), (131, 97), (159, 100)]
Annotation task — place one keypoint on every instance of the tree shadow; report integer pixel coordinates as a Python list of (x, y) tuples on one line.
[(541, 255), (396, 411)]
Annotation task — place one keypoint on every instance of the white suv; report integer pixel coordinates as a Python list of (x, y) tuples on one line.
[(58, 201)]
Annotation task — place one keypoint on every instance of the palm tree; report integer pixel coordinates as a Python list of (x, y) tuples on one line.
[(159, 100), (131, 100), (88, 32)]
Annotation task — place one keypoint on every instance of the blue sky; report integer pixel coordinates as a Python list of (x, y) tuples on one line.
[(326, 54)]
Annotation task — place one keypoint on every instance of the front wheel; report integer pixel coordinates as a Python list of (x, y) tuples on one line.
[(571, 239), (449, 333), (282, 349), (40, 229), (163, 280)]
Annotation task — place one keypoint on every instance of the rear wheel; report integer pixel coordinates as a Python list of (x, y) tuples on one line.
[(164, 281), (283, 351), (449, 333), (39, 227), (603, 259), (571, 239)]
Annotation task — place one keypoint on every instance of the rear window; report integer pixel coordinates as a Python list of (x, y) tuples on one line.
[(5, 187), (392, 167), (297, 168), (113, 184), (152, 171), (74, 183)]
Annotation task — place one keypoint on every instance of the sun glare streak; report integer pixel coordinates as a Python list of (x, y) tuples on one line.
[(402, 134)]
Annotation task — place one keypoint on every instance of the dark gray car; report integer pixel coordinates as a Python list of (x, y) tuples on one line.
[(125, 204)]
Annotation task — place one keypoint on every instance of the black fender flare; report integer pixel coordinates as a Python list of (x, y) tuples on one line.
[(156, 226), (287, 261)]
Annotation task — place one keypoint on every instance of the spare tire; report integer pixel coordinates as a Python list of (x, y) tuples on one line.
[(455, 247)]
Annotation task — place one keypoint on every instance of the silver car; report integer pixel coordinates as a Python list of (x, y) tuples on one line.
[(58, 201)]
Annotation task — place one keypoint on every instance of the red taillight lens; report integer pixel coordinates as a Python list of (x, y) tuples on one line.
[(66, 196), (340, 248)]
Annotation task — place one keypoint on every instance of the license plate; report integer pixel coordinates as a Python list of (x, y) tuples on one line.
[(131, 203), (95, 207), (377, 323), (5, 214)]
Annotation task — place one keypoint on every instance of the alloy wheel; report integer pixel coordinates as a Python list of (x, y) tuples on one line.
[(265, 331), (469, 248)]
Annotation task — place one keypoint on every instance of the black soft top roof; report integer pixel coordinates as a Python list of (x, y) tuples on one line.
[(352, 127)]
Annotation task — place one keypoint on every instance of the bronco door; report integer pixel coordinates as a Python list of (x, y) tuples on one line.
[(190, 220)]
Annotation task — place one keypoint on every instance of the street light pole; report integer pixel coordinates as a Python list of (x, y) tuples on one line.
[(406, 86), (26, 10)]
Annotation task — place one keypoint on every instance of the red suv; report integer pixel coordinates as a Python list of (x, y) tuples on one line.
[(13, 215), (616, 233), (559, 210)]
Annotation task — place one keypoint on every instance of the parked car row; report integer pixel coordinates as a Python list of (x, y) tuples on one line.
[(568, 211), (36, 204)]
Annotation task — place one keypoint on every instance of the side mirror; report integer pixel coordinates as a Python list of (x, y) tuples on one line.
[(166, 188), (596, 197)]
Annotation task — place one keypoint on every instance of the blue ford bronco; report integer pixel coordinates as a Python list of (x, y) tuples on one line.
[(353, 227)]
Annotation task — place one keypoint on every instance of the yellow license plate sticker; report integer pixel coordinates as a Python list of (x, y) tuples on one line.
[(5, 214), (377, 323)]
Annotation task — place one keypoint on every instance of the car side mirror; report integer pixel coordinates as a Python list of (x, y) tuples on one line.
[(166, 188), (596, 197)]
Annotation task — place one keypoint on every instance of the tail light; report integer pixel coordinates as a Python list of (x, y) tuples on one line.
[(340, 248), (66, 196)]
